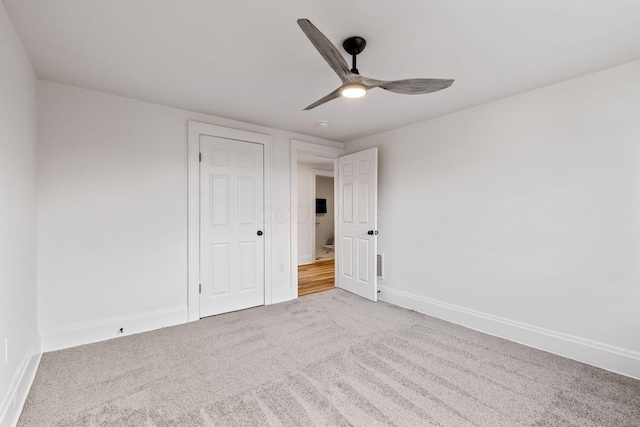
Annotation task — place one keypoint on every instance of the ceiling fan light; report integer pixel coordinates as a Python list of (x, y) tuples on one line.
[(353, 90)]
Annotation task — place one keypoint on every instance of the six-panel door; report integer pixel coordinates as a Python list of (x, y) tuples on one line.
[(357, 222), (231, 225)]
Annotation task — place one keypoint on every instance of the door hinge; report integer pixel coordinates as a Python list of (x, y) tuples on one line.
[(200, 289), (199, 157)]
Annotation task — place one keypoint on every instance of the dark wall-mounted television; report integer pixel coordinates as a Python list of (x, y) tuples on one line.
[(321, 206)]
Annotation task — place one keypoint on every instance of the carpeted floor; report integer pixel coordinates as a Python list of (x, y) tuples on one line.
[(326, 359)]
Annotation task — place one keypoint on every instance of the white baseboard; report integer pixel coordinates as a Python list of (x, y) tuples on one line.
[(306, 260), (615, 359), (281, 295), (105, 329), (13, 402)]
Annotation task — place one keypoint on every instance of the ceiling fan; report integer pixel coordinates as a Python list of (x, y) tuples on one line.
[(353, 84)]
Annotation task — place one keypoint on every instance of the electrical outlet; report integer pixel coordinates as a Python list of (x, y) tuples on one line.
[(281, 268)]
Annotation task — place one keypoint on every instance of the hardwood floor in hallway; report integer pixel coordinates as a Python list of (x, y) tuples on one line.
[(316, 277)]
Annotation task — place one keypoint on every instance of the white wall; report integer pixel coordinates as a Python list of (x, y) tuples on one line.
[(522, 217), (113, 213), (18, 304), (305, 214), (325, 223)]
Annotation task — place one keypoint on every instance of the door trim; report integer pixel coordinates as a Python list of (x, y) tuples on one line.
[(316, 150), (193, 207)]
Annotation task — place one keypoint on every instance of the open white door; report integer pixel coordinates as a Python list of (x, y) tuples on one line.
[(357, 223)]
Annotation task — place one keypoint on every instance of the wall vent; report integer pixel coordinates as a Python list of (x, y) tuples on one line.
[(380, 266)]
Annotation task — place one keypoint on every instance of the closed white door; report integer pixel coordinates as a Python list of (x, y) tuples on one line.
[(231, 225), (357, 223)]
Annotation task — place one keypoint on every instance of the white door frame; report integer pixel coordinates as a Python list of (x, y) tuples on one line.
[(193, 212), (301, 147), (315, 173)]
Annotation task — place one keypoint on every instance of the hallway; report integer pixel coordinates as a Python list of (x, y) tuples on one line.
[(316, 277)]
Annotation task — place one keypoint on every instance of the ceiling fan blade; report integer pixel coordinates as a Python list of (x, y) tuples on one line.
[(412, 86), (333, 95), (371, 83), (328, 51)]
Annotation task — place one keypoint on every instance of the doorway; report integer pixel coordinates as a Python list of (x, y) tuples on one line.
[(315, 223), (259, 147), (355, 187)]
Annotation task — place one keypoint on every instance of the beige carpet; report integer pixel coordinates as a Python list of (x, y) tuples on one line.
[(325, 359)]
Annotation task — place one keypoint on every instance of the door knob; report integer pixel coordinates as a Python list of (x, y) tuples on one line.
[(372, 232), (259, 232)]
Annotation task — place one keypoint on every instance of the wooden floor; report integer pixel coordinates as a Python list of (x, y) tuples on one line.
[(316, 277)]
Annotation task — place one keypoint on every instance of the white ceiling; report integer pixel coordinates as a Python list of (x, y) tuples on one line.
[(249, 60)]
